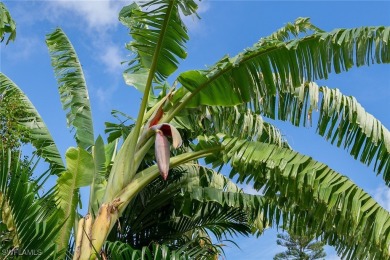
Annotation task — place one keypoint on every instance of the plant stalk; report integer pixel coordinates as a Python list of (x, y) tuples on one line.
[(110, 212)]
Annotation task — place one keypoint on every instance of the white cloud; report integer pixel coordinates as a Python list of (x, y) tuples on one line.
[(99, 15), (97, 19), (104, 94), (112, 58), (382, 196)]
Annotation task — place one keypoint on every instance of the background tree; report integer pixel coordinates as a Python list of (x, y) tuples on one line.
[(12, 133), (302, 247)]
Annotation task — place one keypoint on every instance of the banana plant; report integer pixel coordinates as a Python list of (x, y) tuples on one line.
[(274, 77), (191, 120)]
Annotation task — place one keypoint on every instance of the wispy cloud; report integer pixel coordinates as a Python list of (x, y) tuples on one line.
[(99, 15), (104, 94), (112, 58), (98, 21), (23, 49), (382, 196)]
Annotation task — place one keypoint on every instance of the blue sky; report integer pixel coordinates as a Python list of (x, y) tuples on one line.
[(226, 27)]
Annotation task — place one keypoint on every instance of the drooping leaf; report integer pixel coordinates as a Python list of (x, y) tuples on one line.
[(266, 77), (262, 70), (159, 214), (342, 120), (71, 86), (334, 206), (231, 121)]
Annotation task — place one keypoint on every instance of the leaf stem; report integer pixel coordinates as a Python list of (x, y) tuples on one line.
[(146, 176), (122, 199), (152, 71)]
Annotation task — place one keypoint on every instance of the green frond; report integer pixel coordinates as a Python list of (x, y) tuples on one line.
[(120, 250), (300, 26), (232, 121), (308, 191), (196, 175), (252, 206), (158, 212), (71, 86), (38, 134), (7, 24), (28, 222), (161, 213), (262, 70), (342, 120), (207, 186), (221, 221), (159, 37), (265, 77)]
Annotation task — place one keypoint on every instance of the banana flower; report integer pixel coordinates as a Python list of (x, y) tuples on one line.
[(161, 146)]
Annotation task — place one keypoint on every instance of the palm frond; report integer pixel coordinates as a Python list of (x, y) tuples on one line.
[(158, 212), (28, 222), (120, 250), (71, 86), (38, 134), (221, 221), (207, 186)]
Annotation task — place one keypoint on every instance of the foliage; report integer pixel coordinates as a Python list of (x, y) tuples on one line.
[(28, 224), (300, 247), (32, 123), (12, 133), (7, 24), (132, 213), (71, 87)]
